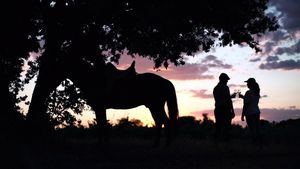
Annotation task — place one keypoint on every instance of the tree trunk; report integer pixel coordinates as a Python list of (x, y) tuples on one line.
[(49, 77)]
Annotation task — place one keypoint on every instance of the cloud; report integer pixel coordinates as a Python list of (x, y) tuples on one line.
[(277, 36), (270, 114), (272, 58), (274, 62), (201, 94), (213, 61), (192, 71), (189, 71), (290, 64), (280, 114), (255, 60), (271, 42), (294, 49), (269, 46), (288, 13), (186, 72)]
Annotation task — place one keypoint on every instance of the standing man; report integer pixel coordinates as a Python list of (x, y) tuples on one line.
[(223, 112)]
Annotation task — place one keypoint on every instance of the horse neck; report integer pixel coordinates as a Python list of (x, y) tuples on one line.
[(88, 79)]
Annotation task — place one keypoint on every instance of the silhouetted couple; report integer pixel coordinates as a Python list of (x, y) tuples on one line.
[(224, 112)]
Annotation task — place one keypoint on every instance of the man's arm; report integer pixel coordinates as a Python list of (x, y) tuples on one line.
[(245, 106), (232, 114)]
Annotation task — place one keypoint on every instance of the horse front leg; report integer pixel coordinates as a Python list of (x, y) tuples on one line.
[(158, 127), (102, 126)]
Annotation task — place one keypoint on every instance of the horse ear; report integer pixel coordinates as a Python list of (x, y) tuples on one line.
[(132, 66)]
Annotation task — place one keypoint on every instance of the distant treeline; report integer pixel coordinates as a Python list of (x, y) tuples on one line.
[(189, 127)]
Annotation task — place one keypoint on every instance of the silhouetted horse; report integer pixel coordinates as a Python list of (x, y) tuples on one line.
[(104, 86), (125, 89)]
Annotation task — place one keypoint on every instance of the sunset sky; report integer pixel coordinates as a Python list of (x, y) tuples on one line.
[(276, 69)]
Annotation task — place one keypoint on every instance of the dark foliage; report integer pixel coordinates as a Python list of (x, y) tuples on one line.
[(284, 132), (63, 103), (159, 30), (126, 123)]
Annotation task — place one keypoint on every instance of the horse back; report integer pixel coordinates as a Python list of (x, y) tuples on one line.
[(143, 89)]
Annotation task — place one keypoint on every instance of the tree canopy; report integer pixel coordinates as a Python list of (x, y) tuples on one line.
[(160, 30)]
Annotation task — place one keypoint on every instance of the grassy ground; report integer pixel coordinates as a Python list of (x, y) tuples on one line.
[(139, 153)]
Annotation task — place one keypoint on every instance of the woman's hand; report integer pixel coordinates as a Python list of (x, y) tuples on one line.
[(240, 95)]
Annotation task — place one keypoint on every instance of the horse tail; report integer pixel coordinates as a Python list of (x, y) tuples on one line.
[(172, 105)]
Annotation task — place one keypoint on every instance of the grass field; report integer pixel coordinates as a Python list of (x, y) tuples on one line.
[(138, 153)]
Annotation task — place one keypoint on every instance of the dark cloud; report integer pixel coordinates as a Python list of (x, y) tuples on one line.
[(274, 41), (268, 47), (255, 60), (278, 36), (290, 13), (272, 58), (284, 64), (287, 12), (202, 94), (294, 49), (213, 61)]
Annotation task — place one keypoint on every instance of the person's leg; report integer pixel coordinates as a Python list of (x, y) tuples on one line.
[(227, 129), (250, 119), (217, 133), (217, 125), (256, 128)]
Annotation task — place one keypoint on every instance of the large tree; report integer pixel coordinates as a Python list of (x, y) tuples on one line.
[(18, 37), (78, 32)]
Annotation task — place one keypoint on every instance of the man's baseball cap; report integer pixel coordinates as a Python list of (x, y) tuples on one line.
[(224, 76)]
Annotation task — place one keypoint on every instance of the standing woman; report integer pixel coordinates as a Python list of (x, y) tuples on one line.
[(251, 110)]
